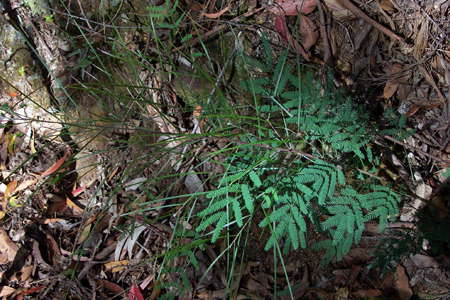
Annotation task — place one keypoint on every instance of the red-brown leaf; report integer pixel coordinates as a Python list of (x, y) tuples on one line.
[(282, 29), (135, 293), (57, 164)]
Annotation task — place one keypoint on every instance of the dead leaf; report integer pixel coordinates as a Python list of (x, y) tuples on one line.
[(32, 290), (11, 142), (396, 77), (281, 27), (217, 14), (116, 266), (84, 234), (13, 94), (341, 294), (110, 286), (7, 291), (146, 281), (57, 164), (8, 248), (402, 283), (424, 261), (24, 273), (308, 32), (432, 82), (78, 191), (25, 184), (403, 91), (128, 242), (53, 249), (10, 189), (367, 293), (135, 293), (337, 10), (32, 144), (76, 210), (387, 5), (293, 7), (413, 110)]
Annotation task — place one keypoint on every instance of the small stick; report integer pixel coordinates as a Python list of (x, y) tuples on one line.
[(216, 30), (324, 33), (389, 138), (265, 146), (359, 13)]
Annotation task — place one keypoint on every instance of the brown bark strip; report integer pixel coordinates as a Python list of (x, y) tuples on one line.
[(324, 32)]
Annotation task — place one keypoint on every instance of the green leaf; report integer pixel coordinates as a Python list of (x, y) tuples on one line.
[(210, 220), (237, 211), (248, 200), (255, 179), (215, 206), (220, 224), (293, 234), (298, 218)]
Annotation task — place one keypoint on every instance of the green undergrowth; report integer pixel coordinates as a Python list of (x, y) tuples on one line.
[(296, 156), (300, 167), (291, 164)]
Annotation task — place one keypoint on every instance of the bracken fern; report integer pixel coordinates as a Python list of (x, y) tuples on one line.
[(302, 192)]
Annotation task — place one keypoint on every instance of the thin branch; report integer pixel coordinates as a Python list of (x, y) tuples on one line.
[(389, 138), (216, 30), (361, 14)]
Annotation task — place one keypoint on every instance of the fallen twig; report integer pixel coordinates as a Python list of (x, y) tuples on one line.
[(216, 30), (389, 138), (361, 14), (324, 32)]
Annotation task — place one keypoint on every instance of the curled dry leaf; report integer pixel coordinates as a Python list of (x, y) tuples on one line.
[(217, 14), (76, 210), (293, 7), (53, 168)]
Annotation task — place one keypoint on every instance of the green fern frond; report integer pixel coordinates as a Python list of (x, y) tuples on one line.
[(316, 190), (248, 200), (293, 234), (255, 179), (237, 211), (219, 227), (214, 207), (209, 221)]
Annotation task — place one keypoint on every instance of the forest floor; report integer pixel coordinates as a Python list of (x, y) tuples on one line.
[(92, 195)]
